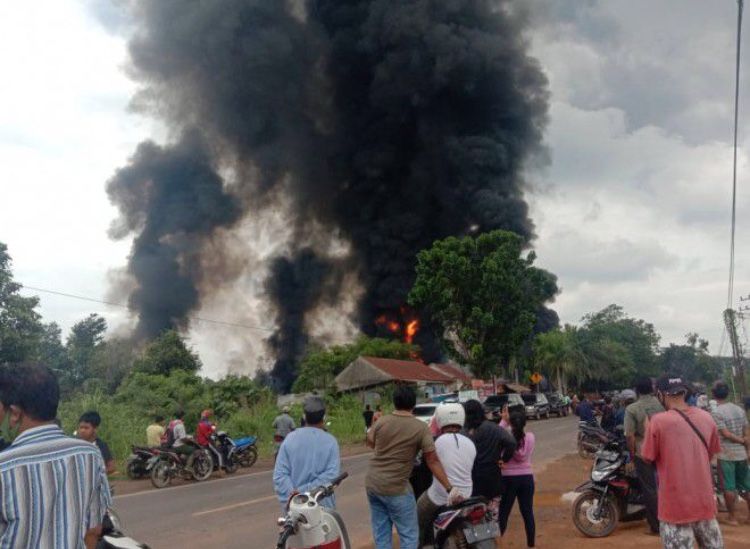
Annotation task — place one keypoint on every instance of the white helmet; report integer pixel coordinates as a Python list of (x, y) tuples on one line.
[(450, 413)]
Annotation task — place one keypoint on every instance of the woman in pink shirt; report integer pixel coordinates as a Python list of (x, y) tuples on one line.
[(518, 479)]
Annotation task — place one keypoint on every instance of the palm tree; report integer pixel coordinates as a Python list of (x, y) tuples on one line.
[(558, 354)]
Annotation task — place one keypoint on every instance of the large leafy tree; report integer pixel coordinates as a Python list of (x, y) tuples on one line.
[(558, 355), (320, 366), (21, 328), (484, 293), (167, 353), (691, 360), (86, 338)]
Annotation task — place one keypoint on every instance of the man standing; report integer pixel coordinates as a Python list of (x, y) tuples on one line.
[(88, 430), (681, 443), (397, 438), (53, 488), (636, 416), (367, 415), (308, 457), (733, 428), (283, 424)]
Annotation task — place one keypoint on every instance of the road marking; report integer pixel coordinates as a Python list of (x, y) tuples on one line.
[(215, 481), (234, 506)]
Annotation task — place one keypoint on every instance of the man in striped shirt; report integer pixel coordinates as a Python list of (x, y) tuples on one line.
[(53, 488)]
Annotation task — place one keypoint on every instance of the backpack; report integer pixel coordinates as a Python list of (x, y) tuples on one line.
[(167, 439)]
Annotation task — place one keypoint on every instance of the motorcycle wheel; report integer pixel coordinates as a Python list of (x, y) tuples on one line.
[(134, 470), (161, 476), (231, 465), (249, 457), (456, 540), (203, 465), (587, 523), (583, 449)]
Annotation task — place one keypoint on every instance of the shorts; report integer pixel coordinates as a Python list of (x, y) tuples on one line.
[(734, 476), (706, 534)]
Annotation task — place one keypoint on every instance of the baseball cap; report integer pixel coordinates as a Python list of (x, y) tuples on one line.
[(313, 404), (628, 394), (671, 385)]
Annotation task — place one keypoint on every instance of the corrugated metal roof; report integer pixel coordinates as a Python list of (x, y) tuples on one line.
[(407, 370), (452, 371)]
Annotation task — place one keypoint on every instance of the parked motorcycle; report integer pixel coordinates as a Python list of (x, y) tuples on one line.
[(464, 525), (167, 464), (113, 537), (309, 525), (610, 496), (591, 438), (225, 447), (138, 464), (246, 451)]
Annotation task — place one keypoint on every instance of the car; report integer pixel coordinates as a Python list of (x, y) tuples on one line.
[(424, 412), (537, 405), (494, 404), (557, 404)]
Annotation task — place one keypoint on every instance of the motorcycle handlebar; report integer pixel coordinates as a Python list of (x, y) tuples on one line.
[(339, 479)]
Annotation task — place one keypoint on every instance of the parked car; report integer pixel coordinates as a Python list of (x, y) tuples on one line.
[(494, 404), (557, 404), (424, 412), (537, 405)]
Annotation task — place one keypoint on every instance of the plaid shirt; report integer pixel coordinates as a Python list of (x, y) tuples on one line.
[(732, 418), (53, 489)]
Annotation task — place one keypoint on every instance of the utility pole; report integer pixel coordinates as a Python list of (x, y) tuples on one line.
[(731, 317)]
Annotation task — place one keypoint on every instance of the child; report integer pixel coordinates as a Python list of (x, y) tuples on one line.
[(87, 426)]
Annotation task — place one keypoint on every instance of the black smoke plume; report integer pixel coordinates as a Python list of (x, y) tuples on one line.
[(391, 123)]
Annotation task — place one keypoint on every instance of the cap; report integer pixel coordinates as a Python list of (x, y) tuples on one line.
[(285, 409), (313, 404), (671, 385), (628, 394)]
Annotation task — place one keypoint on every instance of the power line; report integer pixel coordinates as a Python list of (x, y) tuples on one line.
[(124, 306), (730, 289)]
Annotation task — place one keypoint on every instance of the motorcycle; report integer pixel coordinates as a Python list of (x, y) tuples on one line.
[(309, 525), (226, 458), (167, 464), (113, 537), (591, 438), (245, 451), (610, 496), (138, 464), (467, 524)]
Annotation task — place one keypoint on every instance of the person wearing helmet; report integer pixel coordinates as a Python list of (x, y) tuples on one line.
[(627, 397), (282, 426), (456, 452)]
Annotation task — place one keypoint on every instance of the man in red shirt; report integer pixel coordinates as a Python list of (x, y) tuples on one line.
[(681, 443)]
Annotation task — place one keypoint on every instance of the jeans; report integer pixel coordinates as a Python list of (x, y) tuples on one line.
[(401, 511), (521, 487), (647, 477)]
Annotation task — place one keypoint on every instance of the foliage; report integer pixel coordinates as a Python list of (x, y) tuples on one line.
[(557, 354), (85, 340), (166, 353), (320, 367), (691, 361), (484, 294), (21, 329), (232, 393)]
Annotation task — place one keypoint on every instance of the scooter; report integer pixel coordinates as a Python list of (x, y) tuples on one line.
[(139, 462), (467, 524), (245, 451), (610, 496), (309, 525), (112, 536), (591, 438)]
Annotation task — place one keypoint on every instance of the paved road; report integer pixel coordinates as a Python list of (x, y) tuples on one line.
[(240, 512)]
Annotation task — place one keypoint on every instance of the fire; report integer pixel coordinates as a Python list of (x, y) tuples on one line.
[(394, 326), (412, 327)]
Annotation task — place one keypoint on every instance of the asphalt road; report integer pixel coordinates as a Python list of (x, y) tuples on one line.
[(240, 512)]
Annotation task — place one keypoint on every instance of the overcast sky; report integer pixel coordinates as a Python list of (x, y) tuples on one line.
[(632, 209)]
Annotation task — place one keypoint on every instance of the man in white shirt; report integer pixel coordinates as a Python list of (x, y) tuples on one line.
[(456, 453)]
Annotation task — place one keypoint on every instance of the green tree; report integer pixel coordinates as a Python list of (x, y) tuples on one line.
[(85, 339), (692, 360), (558, 355), (21, 329), (111, 363), (164, 394), (167, 353), (51, 350), (484, 294), (232, 393), (320, 366)]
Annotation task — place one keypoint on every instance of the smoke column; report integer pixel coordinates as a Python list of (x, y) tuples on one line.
[(388, 123)]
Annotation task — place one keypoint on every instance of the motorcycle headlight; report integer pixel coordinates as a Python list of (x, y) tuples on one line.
[(602, 471)]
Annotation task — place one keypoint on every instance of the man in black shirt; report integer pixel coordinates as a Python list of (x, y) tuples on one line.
[(367, 414), (87, 427)]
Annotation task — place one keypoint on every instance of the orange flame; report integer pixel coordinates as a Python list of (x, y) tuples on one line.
[(412, 327)]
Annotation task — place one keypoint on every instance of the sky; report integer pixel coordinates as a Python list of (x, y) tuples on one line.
[(632, 208)]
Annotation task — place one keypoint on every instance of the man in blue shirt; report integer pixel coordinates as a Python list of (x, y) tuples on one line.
[(585, 411), (308, 457)]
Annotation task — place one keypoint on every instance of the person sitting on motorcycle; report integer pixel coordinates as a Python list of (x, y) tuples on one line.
[(456, 453), (204, 434), (175, 437), (308, 457)]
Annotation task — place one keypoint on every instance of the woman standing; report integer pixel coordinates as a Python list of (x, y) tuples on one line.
[(518, 479), (493, 446)]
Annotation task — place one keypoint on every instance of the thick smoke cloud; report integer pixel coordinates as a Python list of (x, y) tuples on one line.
[(388, 123)]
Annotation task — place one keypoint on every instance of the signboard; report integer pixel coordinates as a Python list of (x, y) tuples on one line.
[(463, 396), (536, 378)]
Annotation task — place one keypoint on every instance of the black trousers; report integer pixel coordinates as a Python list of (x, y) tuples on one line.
[(647, 477), (522, 488)]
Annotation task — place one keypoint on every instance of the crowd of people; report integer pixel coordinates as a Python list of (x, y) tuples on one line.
[(472, 456)]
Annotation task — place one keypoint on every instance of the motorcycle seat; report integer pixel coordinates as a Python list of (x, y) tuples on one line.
[(245, 441), (465, 503)]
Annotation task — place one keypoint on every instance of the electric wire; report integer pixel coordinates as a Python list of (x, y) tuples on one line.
[(124, 306)]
